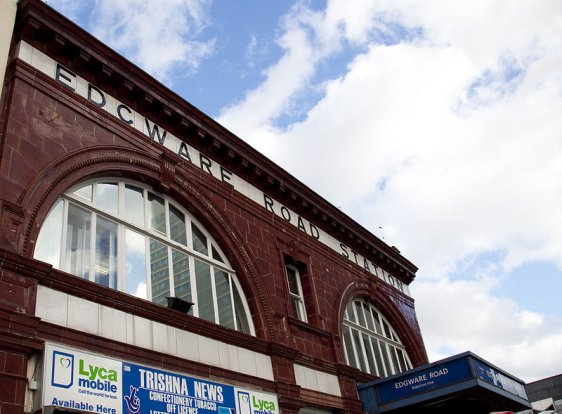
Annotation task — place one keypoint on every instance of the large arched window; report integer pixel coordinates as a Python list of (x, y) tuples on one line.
[(127, 237), (371, 344)]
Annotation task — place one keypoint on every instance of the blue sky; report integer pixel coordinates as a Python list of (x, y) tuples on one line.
[(436, 125)]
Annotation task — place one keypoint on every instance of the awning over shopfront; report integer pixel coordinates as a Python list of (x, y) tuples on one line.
[(460, 384)]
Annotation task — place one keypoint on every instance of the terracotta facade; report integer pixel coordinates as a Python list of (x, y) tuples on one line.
[(52, 139)]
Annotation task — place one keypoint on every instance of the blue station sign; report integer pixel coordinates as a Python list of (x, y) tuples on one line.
[(450, 383), (426, 380)]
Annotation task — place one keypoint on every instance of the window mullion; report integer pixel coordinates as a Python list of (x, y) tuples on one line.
[(232, 303), (93, 247), (193, 282), (62, 260), (148, 268), (171, 287), (121, 259)]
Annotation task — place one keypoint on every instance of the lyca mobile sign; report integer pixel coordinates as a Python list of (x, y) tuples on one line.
[(87, 382)]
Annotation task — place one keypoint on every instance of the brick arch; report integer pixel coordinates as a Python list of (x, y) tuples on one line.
[(379, 295), (163, 174)]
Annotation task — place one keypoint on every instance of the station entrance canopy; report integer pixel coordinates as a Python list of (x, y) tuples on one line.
[(464, 383)]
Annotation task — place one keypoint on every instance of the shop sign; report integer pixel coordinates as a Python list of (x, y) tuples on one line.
[(87, 382)]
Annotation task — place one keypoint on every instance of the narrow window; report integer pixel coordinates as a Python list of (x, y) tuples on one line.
[(295, 292)]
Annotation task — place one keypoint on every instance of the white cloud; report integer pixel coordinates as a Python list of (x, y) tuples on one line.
[(159, 37), (463, 315), (449, 140)]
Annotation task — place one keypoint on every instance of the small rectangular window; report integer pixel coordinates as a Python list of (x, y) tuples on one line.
[(295, 292)]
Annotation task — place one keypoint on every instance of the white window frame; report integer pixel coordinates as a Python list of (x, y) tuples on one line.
[(145, 230), (297, 297)]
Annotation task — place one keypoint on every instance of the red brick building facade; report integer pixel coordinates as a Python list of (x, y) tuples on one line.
[(281, 280)]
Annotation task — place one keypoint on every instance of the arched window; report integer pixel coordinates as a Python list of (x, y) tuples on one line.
[(371, 344), (127, 237)]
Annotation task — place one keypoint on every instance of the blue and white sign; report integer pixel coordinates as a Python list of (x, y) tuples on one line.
[(88, 382), (496, 378), (428, 379), (81, 381)]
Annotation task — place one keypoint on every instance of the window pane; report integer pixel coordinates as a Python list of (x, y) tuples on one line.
[(349, 347), (392, 351), (157, 213), (182, 280), (85, 192), (384, 351), (216, 254), (199, 240), (135, 264), (401, 360), (378, 357), (360, 316), (349, 312), (106, 253), (298, 308), (77, 253), (106, 197), (369, 351), (48, 244), (177, 226), (241, 318), (386, 330), (377, 323), (134, 205), (293, 283), (224, 301), (204, 291), (368, 317), (159, 277), (357, 342)]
